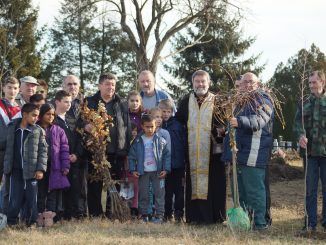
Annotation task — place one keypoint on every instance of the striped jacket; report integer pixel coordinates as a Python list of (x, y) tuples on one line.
[(254, 135), (8, 112)]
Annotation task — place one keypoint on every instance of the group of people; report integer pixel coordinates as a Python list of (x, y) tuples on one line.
[(174, 157)]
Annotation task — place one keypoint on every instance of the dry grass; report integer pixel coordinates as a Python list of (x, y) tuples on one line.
[(287, 211)]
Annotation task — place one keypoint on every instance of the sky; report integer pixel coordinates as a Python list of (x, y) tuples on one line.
[(281, 27)]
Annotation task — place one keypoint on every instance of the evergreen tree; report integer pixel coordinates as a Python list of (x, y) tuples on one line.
[(286, 81), (86, 44), (18, 38), (219, 52)]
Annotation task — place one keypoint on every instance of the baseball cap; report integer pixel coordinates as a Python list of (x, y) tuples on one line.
[(29, 79)]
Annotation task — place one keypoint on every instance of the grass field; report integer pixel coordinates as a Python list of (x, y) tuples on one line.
[(287, 212)]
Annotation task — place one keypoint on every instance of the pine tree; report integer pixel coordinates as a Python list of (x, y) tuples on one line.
[(18, 38), (286, 80), (219, 52), (86, 44)]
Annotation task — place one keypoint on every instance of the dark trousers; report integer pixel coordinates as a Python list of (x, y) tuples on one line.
[(23, 194), (5, 194), (82, 203), (174, 186), (48, 200), (71, 195), (94, 195), (2, 156), (268, 214)]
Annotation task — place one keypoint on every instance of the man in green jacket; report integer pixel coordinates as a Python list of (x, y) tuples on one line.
[(312, 136)]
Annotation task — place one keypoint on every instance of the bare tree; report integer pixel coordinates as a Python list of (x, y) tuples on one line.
[(152, 23)]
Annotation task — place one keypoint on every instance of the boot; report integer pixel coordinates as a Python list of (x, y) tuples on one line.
[(40, 220), (48, 218)]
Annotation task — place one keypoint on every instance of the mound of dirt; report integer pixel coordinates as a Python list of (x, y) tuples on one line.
[(280, 170)]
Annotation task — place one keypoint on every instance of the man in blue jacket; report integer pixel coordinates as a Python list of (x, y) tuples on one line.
[(150, 95), (253, 121)]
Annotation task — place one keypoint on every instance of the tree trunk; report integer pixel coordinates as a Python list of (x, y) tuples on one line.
[(80, 48)]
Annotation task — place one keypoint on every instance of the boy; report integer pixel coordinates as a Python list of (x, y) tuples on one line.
[(71, 196), (9, 110), (174, 180), (156, 113), (150, 161), (25, 162), (37, 99)]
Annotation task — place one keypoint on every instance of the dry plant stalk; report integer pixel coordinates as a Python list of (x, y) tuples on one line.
[(95, 141)]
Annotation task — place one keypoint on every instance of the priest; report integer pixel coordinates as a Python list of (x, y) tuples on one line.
[(205, 172)]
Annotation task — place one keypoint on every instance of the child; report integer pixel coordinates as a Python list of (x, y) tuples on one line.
[(135, 111), (135, 108), (70, 196), (25, 162), (9, 110), (156, 113), (37, 99), (55, 178), (174, 180), (150, 167)]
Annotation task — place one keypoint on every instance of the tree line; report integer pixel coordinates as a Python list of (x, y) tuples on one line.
[(90, 37)]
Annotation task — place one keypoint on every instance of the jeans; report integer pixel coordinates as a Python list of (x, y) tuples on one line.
[(23, 194), (316, 168), (159, 192)]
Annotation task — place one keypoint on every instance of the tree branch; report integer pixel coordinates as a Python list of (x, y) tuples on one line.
[(196, 42)]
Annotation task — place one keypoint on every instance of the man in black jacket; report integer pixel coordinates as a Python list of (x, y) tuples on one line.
[(71, 84), (120, 136)]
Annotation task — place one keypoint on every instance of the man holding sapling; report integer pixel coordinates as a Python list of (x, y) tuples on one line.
[(312, 137)]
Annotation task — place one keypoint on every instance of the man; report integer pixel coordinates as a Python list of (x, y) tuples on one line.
[(240, 89), (253, 122), (151, 96), (28, 86), (312, 136), (71, 84), (120, 136), (205, 172)]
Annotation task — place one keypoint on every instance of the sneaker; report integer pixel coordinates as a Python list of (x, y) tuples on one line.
[(144, 218), (178, 219), (157, 219), (167, 218), (307, 232), (260, 227)]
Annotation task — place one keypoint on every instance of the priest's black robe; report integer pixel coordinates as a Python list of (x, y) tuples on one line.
[(211, 210)]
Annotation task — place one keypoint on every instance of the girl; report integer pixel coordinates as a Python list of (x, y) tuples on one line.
[(135, 108), (55, 179), (135, 112)]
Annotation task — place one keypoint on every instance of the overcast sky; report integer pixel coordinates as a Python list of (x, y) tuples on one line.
[(281, 27)]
